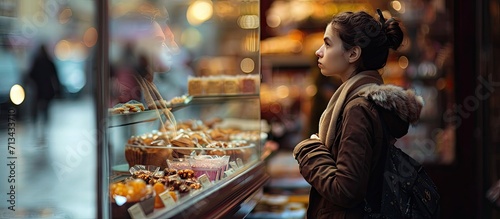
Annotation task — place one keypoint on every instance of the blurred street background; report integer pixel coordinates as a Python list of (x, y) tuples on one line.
[(55, 163)]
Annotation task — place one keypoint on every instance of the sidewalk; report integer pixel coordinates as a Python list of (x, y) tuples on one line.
[(53, 177)]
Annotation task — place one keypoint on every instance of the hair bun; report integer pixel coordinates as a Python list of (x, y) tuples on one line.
[(394, 33)]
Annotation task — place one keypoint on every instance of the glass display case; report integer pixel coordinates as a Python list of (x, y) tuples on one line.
[(178, 88)]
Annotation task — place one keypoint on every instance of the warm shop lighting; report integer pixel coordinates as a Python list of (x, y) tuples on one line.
[(90, 37), (70, 51), (191, 38), (225, 9), (247, 65), (282, 91), (396, 5), (273, 21), (248, 21), (330, 8), (62, 50), (311, 90), (251, 42), (65, 15), (403, 62), (199, 12), (300, 10), (17, 94)]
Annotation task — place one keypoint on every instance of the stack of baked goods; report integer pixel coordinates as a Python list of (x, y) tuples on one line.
[(131, 106), (223, 85), (156, 147)]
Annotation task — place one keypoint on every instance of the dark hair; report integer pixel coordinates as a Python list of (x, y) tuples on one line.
[(372, 36)]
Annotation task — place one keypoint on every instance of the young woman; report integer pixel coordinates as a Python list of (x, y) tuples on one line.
[(344, 162)]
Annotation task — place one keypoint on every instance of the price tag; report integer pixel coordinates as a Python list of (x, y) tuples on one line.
[(167, 199), (239, 161), (229, 172), (205, 182), (136, 212), (233, 165)]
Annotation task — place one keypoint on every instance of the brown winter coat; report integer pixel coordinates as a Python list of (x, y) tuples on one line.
[(342, 175)]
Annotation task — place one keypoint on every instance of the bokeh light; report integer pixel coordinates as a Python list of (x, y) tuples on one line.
[(199, 12), (17, 94), (90, 37), (282, 91), (191, 38), (248, 21), (247, 65), (403, 62), (273, 21)]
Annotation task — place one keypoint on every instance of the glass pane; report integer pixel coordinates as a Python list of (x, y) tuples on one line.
[(200, 59), (47, 109)]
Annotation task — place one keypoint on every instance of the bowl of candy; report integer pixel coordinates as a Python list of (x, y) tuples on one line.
[(125, 194)]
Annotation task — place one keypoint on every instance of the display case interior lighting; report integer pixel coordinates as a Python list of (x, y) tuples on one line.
[(251, 42), (17, 94), (248, 21), (247, 65), (225, 9), (199, 12)]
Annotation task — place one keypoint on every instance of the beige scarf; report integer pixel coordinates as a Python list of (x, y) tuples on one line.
[(328, 120)]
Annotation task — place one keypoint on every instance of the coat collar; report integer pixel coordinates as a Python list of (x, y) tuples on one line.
[(405, 103)]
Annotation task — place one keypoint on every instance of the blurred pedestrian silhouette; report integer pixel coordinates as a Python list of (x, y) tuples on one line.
[(124, 86), (43, 75)]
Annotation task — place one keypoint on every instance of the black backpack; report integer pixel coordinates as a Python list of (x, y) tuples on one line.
[(408, 192)]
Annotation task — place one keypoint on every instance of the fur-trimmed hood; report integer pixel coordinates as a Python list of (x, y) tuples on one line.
[(396, 101)]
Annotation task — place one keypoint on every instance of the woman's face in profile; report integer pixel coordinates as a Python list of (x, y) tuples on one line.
[(158, 48), (332, 57), (147, 40)]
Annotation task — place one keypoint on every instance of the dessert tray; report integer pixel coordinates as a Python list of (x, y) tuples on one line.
[(179, 102), (116, 120), (146, 115)]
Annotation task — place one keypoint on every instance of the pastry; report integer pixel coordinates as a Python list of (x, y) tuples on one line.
[(195, 86)]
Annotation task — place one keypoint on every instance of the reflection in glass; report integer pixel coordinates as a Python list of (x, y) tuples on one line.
[(47, 109)]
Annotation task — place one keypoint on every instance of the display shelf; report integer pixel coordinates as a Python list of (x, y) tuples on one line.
[(214, 99), (118, 120), (184, 103)]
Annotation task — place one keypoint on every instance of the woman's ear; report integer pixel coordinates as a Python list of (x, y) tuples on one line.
[(354, 54)]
